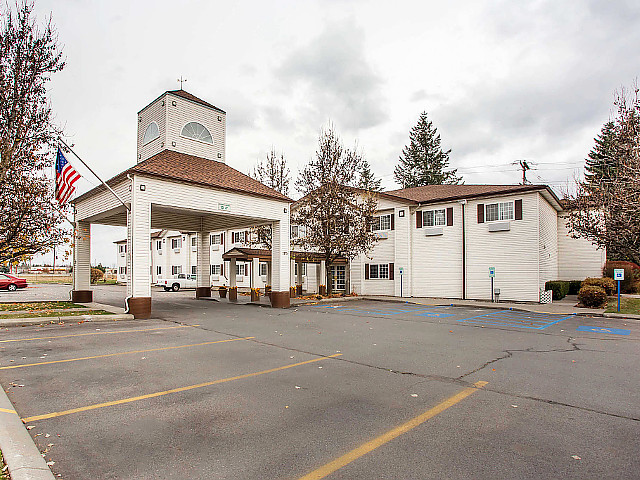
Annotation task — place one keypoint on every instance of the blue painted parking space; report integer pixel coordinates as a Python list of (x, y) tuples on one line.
[(517, 319), (613, 331), (421, 311)]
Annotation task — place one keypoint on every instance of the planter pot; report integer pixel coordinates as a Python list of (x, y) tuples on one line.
[(233, 294), (299, 290), (292, 292), (322, 290), (222, 292), (255, 295)]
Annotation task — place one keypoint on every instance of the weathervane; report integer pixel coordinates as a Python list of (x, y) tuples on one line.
[(181, 80)]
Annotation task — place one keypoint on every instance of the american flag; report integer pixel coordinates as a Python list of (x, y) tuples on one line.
[(66, 176)]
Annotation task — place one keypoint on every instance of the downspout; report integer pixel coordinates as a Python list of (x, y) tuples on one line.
[(463, 203)]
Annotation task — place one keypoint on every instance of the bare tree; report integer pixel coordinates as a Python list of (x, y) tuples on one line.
[(334, 214), (607, 212), (30, 220), (274, 173)]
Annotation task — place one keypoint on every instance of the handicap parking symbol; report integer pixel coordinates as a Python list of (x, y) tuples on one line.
[(613, 331)]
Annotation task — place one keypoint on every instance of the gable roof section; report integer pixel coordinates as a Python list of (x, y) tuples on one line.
[(440, 193), (187, 96), (197, 170)]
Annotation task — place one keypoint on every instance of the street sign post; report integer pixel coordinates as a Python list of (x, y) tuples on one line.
[(401, 270), (618, 274), (492, 274)]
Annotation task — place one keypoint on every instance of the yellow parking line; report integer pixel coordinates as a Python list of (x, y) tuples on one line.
[(122, 353), (96, 333), (7, 410), (167, 392), (346, 459)]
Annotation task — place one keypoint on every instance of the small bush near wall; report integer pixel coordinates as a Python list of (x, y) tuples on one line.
[(608, 284), (631, 275), (592, 296), (559, 288), (574, 286), (96, 274)]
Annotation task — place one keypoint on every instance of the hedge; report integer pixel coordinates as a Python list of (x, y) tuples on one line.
[(560, 288), (608, 284), (592, 296)]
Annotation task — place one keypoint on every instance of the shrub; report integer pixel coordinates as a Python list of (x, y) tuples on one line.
[(96, 275), (608, 284), (574, 286), (560, 288), (592, 296), (631, 274)]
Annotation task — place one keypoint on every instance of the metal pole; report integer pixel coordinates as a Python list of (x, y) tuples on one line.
[(492, 290), (618, 296), (401, 286)]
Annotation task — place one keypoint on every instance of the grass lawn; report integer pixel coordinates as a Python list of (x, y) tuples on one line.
[(6, 307), (627, 305), (49, 313)]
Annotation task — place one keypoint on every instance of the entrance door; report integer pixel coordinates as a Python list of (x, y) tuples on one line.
[(339, 278)]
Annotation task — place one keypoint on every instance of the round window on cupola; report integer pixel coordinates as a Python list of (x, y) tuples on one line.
[(197, 131), (151, 133)]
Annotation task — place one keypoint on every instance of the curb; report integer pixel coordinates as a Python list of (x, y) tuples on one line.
[(333, 300), (23, 322), (20, 453)]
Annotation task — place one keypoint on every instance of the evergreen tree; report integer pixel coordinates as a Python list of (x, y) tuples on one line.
[(367, 180), (601, 162), (423, 162)]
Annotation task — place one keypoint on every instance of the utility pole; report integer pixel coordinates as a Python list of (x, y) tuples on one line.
[(524, 166)]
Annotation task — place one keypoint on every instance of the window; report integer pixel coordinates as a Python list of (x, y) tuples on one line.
[(194, 269), (122, 270), (158, 244), (434, 218), (263, 269), (240, 269), (159, 270), (215, 239), (338, 277), (239, 237), (215, 269), (151, 133), (197, 131), (176, 269), (295, 231), (380, 271), (193, 241), (383, 222), (304, 269), (499, 211), (122, 248), (176, 242)]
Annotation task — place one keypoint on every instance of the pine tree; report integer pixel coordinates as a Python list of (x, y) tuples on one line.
[(423, 162), (368, 180), (601, 162)]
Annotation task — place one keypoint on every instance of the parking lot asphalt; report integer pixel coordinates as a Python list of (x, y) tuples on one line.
[(349, 390)]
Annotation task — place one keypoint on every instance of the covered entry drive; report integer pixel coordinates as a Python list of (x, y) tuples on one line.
[(179, 192)]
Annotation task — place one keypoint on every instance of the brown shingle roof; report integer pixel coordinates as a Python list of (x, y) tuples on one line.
[(189, 168), (436, 193), (193, 98)]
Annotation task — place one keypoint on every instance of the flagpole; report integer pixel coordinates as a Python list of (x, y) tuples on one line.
[(94, 174)]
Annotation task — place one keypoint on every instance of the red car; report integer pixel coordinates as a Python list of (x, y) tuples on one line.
[(11, 283)]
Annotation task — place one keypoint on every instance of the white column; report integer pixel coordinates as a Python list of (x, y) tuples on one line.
[(138, 253), (255, 272), (82, 257), (292, 274), (280, 268), (204, 260), (269, 273), (232, 272), (323, 273), (299, 276)]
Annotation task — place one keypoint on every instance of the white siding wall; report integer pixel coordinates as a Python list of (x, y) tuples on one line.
[(548, 245), (155, 112), (186, 111), (577, 258), (403, 251), (513, 253), (383, 251), (437, 260), (104, 201)]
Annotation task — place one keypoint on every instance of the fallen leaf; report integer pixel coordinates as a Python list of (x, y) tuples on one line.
[(297, 387), (29, 427), (414, 394), (51, 463), (514, 406), (576, 457)]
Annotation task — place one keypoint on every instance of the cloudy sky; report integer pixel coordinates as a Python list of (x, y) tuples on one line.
[(501, 80)]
